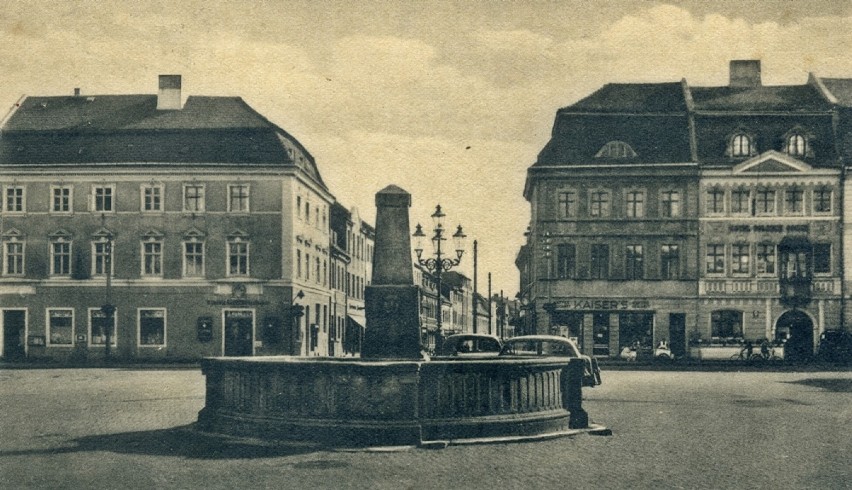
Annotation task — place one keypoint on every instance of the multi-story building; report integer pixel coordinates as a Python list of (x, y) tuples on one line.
[(352, 267), (613, 241), (692, 215), (146, 227)]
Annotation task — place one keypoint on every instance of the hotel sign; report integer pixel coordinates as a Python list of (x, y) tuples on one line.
[(605, 304), (769, 228)]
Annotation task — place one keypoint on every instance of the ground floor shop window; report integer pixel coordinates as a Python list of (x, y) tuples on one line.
[(99, 326), (568, 324), (152, 327), (60, 327), (635, 329), (726, 324)]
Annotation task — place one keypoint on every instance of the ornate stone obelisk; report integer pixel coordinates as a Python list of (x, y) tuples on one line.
[(393, 300)]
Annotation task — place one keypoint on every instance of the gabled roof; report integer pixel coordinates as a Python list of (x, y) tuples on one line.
[(129, 129), (772, 161)]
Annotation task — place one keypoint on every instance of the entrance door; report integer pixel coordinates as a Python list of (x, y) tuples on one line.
[(239, 333), (14, 334), (800, 344), (677, 334)]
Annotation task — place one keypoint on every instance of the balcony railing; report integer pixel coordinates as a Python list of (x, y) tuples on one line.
[(762, 287)]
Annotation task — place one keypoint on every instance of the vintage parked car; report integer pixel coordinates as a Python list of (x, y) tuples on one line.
[(553, 346), (471, 345)]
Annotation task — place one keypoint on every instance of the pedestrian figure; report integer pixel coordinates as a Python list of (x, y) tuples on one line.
[(764, 349), (747, 350)]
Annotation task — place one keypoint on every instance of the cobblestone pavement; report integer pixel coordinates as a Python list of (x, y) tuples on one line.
[(131, 428)]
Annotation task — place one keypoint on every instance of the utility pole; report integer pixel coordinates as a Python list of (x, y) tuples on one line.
[(475, 301), (490, 329)]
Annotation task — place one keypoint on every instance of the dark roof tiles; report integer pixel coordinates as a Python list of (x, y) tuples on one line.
[(787, 98), (633, 98)]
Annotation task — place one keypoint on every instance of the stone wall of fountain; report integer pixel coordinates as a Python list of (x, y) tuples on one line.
[(392, 396)]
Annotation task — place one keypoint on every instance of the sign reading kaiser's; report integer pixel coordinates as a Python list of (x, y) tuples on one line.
[(605, 304)]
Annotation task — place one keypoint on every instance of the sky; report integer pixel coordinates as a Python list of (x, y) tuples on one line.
[(452, 101)]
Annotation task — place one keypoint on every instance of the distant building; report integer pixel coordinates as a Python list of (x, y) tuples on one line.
[(699, 216), (199, 220)]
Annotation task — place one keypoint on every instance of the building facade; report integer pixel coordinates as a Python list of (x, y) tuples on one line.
[(695, 216), (149, 227)]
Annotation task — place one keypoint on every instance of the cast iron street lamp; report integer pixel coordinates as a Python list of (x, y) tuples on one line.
[(439, 263)]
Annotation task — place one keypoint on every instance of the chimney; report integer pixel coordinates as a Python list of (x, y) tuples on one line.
[(168, 98), (76, 92), (745, 73)]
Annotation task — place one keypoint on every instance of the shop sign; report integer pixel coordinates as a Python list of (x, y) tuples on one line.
[(605, 304), (237, 302), (769, 228)]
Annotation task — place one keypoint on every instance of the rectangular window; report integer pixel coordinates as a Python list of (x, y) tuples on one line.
[(60, 327), (298, 263), (740, 258), (61, 199), (599, 261), (567, 204), (152, 198), (726, 324), (152, 258), (822, 200), (741, 201), (765, 201), (822, 258), (635, 204), (317, 276), (14, 199), (794, 200), (13, 258), (670, 204), (715, 260), (765, 258), (238, 198), (634, 267), (669, 261), (193, 259), (716, 201), (565, 260), (193, 198), (152, 327), (60, 258), (100, 326), (307, 266), (102, 196), (238, 258), (599, 204), (299, 207), (102, 258)]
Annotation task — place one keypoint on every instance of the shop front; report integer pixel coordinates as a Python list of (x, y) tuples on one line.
[(606, 327)]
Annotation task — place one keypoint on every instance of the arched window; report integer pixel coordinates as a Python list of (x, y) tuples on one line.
[(616, 149), (797, 145), (740, 145)]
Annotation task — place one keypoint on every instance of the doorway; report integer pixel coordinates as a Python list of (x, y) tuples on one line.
[(14, 334), (800, 343), (677, 334), (239, 332)]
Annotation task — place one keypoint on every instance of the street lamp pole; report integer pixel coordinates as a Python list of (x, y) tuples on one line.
[(439, 263), (108, 308)]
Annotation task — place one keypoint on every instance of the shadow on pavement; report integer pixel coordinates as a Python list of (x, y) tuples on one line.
[(184, 442), (837, 385)]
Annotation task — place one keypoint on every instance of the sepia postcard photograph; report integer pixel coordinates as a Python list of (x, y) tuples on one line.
[(520, 244)]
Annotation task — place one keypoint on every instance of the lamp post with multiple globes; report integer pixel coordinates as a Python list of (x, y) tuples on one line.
[(440, 261)]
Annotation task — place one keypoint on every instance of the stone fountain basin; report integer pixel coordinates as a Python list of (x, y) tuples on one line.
[(351, 402)]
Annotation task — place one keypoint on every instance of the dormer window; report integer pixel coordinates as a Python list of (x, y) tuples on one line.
[(797, 145), (616, 149), (797, 142), (740, 145)]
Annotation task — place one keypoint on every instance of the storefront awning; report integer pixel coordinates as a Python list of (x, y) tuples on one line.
[(353, 322)]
